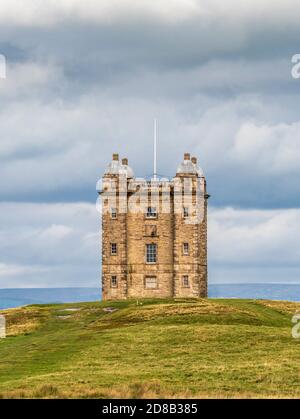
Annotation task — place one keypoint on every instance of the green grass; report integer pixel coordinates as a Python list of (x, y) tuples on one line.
[(159, 348)]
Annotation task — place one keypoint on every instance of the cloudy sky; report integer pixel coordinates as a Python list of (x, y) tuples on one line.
[(85, 79)]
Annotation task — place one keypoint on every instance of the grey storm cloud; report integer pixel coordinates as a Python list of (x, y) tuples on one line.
[(85, 79)]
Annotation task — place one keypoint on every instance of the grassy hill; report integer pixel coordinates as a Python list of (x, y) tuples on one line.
[(158, 348)]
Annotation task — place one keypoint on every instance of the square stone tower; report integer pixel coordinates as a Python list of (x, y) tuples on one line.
[(154, 233)]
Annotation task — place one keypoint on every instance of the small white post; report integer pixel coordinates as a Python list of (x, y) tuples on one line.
[(2, 327)]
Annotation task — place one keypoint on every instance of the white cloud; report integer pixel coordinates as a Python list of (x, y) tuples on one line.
[(29, 79), (56, 232), (52, 245), (254, 237), (8, 270), (268, 149)]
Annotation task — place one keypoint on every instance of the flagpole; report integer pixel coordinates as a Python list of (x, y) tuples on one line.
[(154, 150)]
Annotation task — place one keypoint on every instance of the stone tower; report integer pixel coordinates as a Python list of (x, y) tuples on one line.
[(154, 233)]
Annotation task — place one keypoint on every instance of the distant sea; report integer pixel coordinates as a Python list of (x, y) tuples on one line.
[(16, 297)]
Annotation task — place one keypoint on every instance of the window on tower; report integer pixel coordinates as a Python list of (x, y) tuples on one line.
[(151, 253), (185, 212), (151, 212), (113, 248), (113, 281), (113, 212), (185, 281), (185, 248)]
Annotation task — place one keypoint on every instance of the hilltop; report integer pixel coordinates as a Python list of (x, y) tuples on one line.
[(156, 348)]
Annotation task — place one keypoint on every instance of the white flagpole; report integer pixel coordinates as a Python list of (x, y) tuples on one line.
[(154, 150)]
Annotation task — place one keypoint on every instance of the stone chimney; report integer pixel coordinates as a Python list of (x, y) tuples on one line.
[(115, 156), (187, 156)]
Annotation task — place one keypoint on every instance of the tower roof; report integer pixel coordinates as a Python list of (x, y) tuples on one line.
[(127, 169), (115, 167), (189, 166)]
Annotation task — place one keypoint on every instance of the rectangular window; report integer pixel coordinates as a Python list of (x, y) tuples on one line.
[(185, 281), (151, 253), (113, 212), (185, 248), (113, 248), (113, 281), (151, 282), (185, 212), (151, 212)]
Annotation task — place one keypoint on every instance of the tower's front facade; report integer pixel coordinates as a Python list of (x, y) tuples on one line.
[(154, 233)]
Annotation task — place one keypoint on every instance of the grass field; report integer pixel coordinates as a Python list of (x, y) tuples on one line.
[(158, 348)]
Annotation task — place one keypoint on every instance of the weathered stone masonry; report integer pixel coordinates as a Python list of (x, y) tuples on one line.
[(155, 251)]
